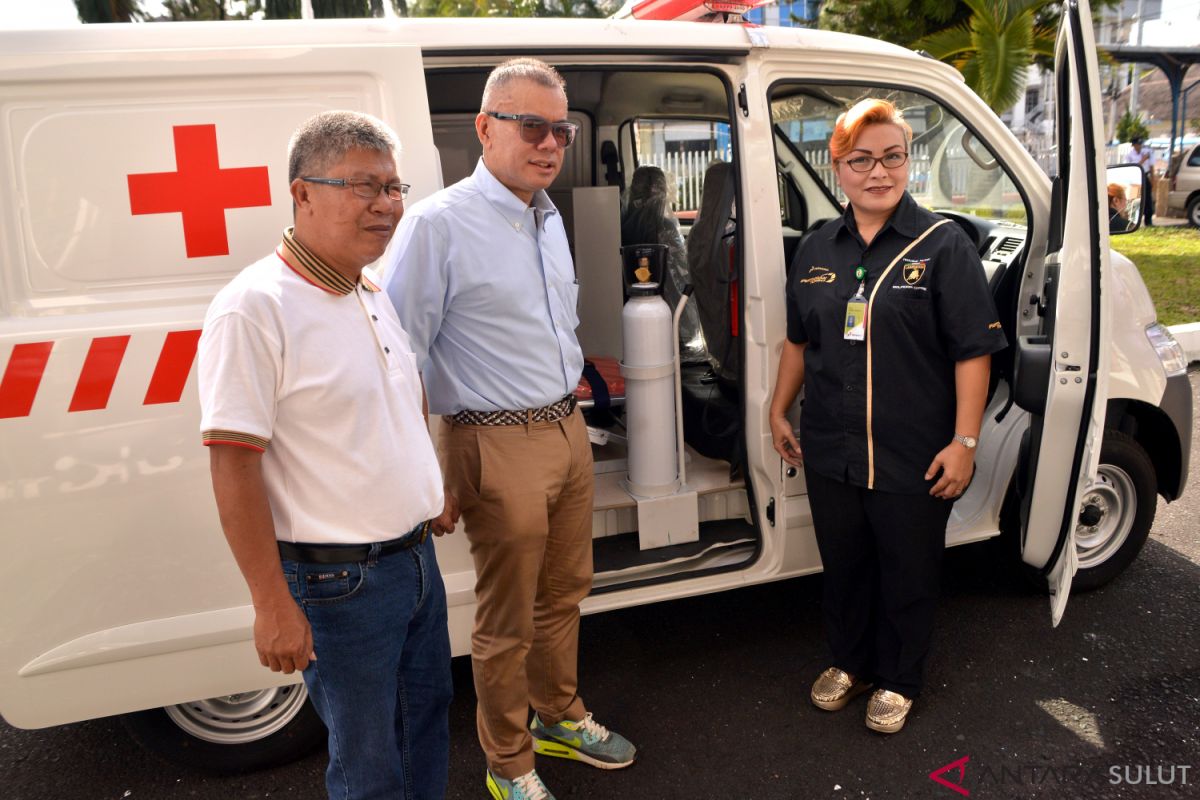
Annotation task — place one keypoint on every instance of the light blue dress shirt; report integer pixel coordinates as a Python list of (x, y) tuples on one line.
[(485, 288)]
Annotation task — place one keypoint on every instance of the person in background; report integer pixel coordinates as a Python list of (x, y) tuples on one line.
[(324, 473), (1144, 157), (646, 218), (890, 331), (1118, 219)]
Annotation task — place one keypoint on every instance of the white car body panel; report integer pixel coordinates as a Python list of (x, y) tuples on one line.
[(123, 594)]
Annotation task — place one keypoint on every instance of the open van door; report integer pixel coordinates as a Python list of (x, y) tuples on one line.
[(1061, 373)]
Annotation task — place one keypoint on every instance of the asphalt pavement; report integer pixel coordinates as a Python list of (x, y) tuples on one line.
[(713, 690)]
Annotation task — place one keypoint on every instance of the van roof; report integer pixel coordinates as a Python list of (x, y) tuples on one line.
[(444, 35)]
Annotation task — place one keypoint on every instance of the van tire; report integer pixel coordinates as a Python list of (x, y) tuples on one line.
[(1193, 212), (1124, 493), (233, 733), (1125, 488)]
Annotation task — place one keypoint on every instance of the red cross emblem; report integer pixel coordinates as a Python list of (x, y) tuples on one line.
[(200, 190)]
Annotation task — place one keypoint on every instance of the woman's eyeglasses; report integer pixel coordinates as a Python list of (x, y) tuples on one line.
[(897, 158), (534, 128)]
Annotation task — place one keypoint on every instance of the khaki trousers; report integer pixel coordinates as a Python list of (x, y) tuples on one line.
[(526, 497)]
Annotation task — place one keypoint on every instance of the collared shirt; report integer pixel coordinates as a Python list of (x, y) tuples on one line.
[(485, 286), (1146, 159), (314, 370), (881, 427)]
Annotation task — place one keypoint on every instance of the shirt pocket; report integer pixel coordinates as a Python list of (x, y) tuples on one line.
[(567, 292)]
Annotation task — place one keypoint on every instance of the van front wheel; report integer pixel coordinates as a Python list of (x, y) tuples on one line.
[(232, 733), (1116, 510)]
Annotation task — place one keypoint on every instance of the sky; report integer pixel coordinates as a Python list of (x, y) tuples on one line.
[(1178, 26), (15, 14)]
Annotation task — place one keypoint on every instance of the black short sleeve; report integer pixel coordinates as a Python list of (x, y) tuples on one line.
[(796, 332), (968, 324)]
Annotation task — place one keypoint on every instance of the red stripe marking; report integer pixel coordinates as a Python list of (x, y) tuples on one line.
[(22, 377), (99, 373), (173, 367), (734, 299)]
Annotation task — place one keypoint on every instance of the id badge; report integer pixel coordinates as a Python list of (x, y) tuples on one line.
[(855, 329)]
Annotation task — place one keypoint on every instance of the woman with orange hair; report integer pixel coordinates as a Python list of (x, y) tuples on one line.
[(890, 329), (1118, 216)]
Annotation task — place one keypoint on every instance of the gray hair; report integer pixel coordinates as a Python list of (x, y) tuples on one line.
[(325, 139), (520, 69)]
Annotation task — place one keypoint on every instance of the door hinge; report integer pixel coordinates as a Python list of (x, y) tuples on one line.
[(771, 511), (742, 102)]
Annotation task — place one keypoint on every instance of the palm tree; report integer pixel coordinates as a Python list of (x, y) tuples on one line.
[(108, 10), (993, 48)]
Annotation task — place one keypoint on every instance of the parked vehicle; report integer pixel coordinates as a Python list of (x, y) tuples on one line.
[(145, 166), (1183, 194)]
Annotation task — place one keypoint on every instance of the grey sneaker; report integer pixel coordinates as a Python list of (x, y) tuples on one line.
[(526, 787), (586, 740)]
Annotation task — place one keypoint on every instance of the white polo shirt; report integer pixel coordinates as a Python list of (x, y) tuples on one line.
[(315, 371)]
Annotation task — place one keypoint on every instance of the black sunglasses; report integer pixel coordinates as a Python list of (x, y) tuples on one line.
[(533, 128)]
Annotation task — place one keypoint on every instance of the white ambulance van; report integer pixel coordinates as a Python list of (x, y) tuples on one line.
[(143, 166)]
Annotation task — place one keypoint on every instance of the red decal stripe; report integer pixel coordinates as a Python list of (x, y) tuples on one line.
[(99, 373), (174, 366), (22, 377)]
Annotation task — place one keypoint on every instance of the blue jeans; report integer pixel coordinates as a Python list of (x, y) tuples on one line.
[(381, 681)]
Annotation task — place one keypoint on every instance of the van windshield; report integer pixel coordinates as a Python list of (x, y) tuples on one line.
[(950, 170)]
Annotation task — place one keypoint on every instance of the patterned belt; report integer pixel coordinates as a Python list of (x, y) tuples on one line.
[(551, 413)]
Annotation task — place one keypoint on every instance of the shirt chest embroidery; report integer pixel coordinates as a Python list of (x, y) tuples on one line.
[(914, 270), (819, 275)]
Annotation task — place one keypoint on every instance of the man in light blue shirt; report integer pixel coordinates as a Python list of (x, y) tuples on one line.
[(485, 285), (482, 279)]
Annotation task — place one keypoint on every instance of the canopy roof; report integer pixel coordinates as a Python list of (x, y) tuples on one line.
[(1173, 61)]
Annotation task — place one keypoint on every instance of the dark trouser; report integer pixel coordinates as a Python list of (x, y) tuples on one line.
[(381, 682), (882, 555), (1149, 205)]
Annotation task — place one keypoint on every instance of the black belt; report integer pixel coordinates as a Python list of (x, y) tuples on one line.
[(348, 553)]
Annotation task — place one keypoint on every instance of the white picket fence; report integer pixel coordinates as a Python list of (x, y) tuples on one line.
[(688, 171), (688, 168)]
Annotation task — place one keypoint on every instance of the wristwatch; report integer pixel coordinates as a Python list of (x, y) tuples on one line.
[(968, 442)]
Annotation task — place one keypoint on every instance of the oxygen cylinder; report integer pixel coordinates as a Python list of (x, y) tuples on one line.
[(648, 366)]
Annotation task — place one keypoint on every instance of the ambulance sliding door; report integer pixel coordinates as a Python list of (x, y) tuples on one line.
[(143, 180)]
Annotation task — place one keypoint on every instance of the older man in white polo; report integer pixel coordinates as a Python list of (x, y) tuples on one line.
[(324, 474)]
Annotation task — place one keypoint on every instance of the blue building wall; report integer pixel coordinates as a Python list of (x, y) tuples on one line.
[(782, 13)]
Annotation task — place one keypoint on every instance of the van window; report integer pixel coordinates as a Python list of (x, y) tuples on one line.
[(684, 149), (949, 168)]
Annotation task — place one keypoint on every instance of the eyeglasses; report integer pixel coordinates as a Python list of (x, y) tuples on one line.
[(533, 128), (896, 158), (365, 188)]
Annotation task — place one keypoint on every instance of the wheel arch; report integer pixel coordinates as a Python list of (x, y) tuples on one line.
[(1153, 429)]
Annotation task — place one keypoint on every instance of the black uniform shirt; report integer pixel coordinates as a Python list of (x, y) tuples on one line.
[(882, 429)]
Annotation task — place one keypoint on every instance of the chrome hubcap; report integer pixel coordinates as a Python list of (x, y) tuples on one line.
[(1105, 516), (239, 718)]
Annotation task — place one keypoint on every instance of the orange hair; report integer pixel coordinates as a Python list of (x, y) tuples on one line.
[(1115, 192), (865, 112)]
